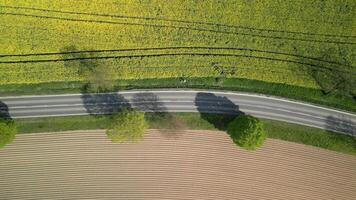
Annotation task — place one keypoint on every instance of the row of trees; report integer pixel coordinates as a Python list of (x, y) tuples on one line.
[(129, 126)]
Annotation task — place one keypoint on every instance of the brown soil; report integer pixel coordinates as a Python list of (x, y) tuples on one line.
[(195, 165)]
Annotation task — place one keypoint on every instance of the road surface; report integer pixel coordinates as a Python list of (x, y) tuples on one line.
[(182, 101)]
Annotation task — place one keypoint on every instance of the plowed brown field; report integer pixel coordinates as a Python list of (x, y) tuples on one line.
[(185, 165)]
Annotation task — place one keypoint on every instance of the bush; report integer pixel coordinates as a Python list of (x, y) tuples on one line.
[(8, 131), (247, 131), (127, 126)]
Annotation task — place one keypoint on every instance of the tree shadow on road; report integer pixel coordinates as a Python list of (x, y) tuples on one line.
[(341, 125), (104, 103), (149, 102), (217, 110), (157, 114), (4, 111)]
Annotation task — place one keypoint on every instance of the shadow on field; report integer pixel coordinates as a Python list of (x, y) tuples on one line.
[(157, 114), (217, 110), (335, 77), (77, 59), (104, 103), (97, 76), (4, 111), (94, 103), (341, 125)]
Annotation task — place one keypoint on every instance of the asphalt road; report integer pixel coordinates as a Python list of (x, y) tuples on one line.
[(181, 101)]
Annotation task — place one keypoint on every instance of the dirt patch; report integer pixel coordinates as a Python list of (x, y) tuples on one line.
[(195, 165)]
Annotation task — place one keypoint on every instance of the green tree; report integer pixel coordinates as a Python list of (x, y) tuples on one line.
[(127, 126), (247, 131), (8, 131)]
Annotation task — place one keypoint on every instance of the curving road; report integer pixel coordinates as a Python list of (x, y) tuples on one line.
[(181, 101)]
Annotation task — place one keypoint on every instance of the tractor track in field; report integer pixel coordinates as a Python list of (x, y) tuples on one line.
[(173, 48), (315, 66), (175, 20), (167, 19), (178, 27), (188, 165)]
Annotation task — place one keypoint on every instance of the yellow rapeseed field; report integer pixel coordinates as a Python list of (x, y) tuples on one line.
[(272, 41)]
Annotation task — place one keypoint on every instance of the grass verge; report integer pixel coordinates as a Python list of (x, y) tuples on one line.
[(276, 130)]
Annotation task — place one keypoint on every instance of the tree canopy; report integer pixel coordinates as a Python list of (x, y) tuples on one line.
[(247, 131), (8, 131), (127, 126)]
